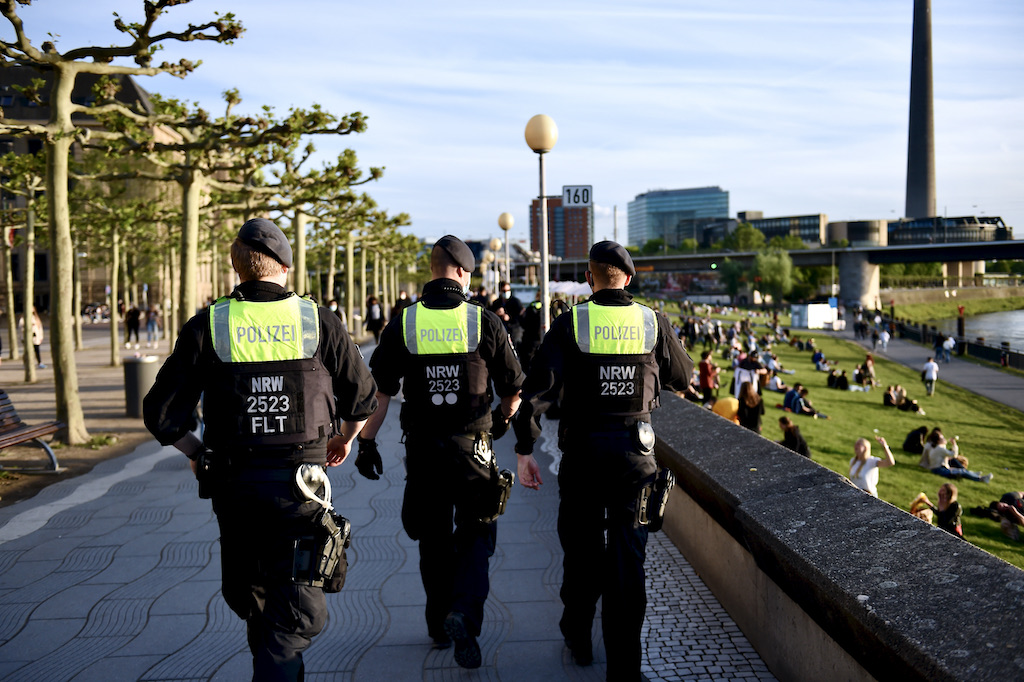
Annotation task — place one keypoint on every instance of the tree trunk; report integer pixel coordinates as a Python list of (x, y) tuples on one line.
[(193, 185), (376, 273), (12, 319), (76, 303), (28, 292), (115, 264), (385, 294), (301, 284), (350, 281), (69, 406), (215, 278), (362, 277), (332, 263), (173, 314)]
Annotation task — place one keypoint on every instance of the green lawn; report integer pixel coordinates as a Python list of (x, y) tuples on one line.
[(947, 310), (985, 429)]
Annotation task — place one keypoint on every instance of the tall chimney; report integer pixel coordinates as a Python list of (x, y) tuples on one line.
[(921, 137)]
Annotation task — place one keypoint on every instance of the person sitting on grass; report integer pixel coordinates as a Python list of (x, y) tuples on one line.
[(914, 442), (904, 403), (803, 405), (864, 468), (776, 384), (947, 512), (938, 459), (789, 402), (861, 379), (1007, 511), (792, 439), (889, 397)]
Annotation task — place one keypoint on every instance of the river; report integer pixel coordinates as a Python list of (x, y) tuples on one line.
[(993, 327)]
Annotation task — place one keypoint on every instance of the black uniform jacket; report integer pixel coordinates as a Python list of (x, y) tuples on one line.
[(167, 409), (554, 360), (390, 361)]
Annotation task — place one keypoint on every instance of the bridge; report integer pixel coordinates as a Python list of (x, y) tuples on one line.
[(857, 265)]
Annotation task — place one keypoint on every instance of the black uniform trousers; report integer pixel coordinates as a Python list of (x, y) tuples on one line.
[(599, 478), (445, 483), (259, 520)]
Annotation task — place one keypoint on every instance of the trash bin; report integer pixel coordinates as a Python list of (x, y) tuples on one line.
[(139, 377)]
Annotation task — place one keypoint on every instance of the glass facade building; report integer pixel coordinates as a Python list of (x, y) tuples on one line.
[(810, 228), (675, 214)]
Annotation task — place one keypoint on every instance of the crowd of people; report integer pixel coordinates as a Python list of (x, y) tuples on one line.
[(750, 371)]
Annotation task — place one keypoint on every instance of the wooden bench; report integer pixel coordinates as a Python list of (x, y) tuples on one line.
[(13, 431)]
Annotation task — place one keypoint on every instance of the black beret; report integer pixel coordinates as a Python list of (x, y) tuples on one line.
[(612, 254), (457, 249), (266, 237)]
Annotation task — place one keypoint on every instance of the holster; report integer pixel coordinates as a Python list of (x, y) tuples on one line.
[(502, 490), (319, 560), (211, 473), (652, 500)]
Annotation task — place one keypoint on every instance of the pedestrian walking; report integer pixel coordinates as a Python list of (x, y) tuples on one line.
[(930, 374), (152, 327), (611, 355), (286, 392), (445, 353), (37, 336)]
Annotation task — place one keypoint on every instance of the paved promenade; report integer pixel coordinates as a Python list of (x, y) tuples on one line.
[(1002, 387), (115, 575)]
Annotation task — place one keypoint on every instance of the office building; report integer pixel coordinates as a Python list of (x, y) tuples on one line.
[(676, 214), (570, 230)]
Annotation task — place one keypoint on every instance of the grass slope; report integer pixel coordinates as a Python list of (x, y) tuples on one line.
[(984, 427), (947, 310)]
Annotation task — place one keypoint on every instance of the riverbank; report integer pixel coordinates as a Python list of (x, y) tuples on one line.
[(948, 309)]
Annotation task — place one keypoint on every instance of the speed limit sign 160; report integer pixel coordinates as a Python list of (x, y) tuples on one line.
[(577, 195)]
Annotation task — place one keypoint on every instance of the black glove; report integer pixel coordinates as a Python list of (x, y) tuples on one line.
[(499, 427), (369, 459)]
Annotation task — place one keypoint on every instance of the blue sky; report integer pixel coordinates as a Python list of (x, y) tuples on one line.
[(793, 107)]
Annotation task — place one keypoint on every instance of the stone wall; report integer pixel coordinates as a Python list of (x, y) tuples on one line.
[(826, 581)]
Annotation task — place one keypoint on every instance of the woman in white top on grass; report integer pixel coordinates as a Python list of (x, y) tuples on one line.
[(864, 468)]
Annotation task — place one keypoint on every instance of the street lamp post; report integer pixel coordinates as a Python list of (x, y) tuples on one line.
[(495, 245), (505, 222), (487, 257), (542, 135)]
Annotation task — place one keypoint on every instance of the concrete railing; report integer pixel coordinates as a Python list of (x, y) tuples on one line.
[(826, 581)]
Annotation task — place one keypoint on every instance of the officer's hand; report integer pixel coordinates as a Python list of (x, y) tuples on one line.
[(499, 425), (337, 450), (368, 461), (529, 472)]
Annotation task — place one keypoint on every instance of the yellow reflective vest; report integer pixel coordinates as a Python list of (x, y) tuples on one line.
[(268, 386)]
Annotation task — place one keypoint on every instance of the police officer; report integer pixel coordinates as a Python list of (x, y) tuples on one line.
[(447, 352), (532, 332), (284, 387), (611, 356)]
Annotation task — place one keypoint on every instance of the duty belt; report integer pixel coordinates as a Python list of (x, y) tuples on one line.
[(601, 424)]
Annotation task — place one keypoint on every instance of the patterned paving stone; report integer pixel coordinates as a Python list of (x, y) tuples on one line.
[(127, 584)]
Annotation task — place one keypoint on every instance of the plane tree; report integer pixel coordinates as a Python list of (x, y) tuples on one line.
[(227, 155), (24, 176), (61, 69)]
